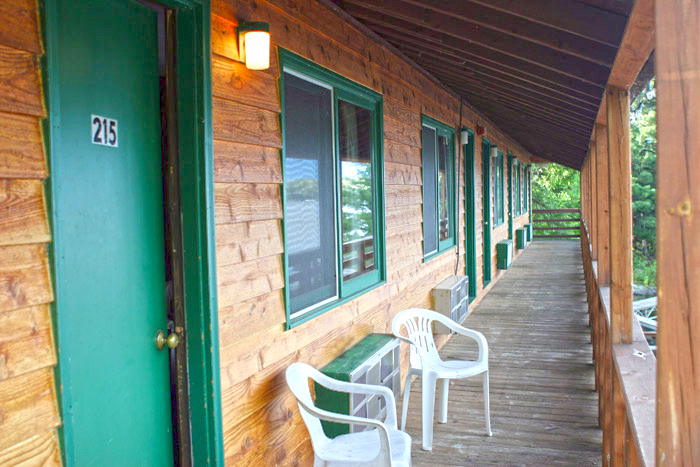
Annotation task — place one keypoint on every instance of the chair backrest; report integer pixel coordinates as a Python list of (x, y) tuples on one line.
[(298, 375), (419, 332)]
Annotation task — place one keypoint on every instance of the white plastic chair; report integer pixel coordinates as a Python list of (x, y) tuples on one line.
[(384, 445), (426, 362)]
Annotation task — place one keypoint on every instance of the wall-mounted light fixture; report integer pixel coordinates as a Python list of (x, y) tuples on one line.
[(254, 45), (463, 137), (494, 150)]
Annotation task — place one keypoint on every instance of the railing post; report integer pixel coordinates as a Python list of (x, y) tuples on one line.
[(678, 230), (603, 194), (620, 185)]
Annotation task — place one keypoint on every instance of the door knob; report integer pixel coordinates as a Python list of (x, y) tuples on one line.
[(172, 340)]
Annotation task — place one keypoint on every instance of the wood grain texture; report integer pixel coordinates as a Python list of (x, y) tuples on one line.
[(40, 450), (594, 200), (26, 341), (24, 277), (20, 87), (603, 195), (636, 45), (403, 195), (245, 241), (239, 162), (401, 132), (401, 153), (249, 317), (21, 147), (20, 25), (620, 177), (678, 226), (23, 216), (402, 174), (235, 202), (245, 124), (240, 282), (233, 81), (28, 405)]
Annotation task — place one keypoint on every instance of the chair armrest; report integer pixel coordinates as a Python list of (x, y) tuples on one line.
[(359, 388), (476, 335), (321, 414)]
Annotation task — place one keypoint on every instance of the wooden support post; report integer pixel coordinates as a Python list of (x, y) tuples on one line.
[(620, 186), (594, 202), (603, 205), (678, 230)]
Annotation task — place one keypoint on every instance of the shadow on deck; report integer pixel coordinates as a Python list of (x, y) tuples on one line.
[(544, 410)]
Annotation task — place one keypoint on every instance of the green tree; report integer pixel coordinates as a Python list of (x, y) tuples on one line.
[(643, 142)]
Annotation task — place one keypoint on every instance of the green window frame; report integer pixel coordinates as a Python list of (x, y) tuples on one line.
[(526, 185), (517, 192), (439, 192), (498, 192), (359, 111)]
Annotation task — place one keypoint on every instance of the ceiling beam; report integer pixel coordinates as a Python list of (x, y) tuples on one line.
[(577, 20), (492, 71), (396, 34), (524, 29), (470, 34)]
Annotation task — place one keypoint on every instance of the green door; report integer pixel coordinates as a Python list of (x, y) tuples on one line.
[(486, 233), (109, 237)]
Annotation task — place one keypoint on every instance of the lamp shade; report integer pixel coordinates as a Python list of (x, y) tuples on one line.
[(254, 45)]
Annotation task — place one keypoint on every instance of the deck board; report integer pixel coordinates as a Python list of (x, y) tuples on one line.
[(543, 406)]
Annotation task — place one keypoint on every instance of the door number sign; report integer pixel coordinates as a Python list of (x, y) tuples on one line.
[(104, 131)]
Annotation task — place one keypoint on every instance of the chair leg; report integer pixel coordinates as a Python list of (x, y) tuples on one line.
[(406, 395), (443, 389), (429, 381), (486, 403)]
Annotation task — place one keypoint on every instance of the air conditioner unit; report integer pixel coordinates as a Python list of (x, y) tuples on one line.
[(451, 298)]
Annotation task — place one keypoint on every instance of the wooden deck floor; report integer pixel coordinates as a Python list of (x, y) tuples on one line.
[(543, 406)]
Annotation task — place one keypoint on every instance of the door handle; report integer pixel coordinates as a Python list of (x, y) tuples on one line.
[(172, 340)]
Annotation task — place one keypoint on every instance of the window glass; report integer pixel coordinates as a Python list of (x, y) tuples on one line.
[(430, 241), (444, 188), (354, 141), (309, 217)]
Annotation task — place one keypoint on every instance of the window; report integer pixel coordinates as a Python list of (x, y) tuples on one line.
[(498, 198), (333, 206), (526, 186), (516, 192), (438, 187)]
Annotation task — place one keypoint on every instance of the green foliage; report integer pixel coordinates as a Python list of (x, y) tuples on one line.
[(357, 201), (643, 139), (555, 187)]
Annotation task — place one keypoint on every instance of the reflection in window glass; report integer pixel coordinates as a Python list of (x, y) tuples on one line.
[(355, 145), (308, 169), (430, 242), (444, 187)]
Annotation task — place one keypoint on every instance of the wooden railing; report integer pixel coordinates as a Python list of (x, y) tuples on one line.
[(625, 378), (563, 221)]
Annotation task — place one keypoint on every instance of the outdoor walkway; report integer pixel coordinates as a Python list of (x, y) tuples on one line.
[(543, 406)]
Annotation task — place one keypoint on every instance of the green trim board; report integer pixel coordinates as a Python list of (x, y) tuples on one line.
[(486, 208), (338, 91), (470, 212), (510, 194), (431, 168), (196, 163), (498, 190)]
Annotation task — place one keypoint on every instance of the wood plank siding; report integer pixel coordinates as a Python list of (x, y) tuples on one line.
[(262, 425), (28, 409), (261, 422), (544, 409)]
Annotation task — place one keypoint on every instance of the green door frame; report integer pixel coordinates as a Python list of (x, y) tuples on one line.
[(195, 135), (510, 195), (486, 208), (470, 212)]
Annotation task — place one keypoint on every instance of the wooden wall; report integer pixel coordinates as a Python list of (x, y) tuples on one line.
[(262, 425), (28, 409)]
